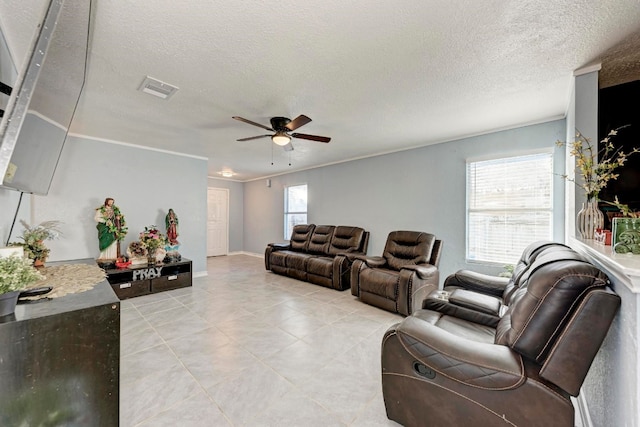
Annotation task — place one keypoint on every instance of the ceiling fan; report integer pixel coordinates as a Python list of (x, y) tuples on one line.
[(282, 126)]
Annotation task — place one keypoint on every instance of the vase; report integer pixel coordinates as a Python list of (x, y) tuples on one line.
[(589, 219), (151, 256), (8, 302)]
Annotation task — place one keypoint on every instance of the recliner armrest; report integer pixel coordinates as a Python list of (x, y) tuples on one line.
[(489, 366), (372, 261), (441, 305), (279, 246), (483, 283), (424, 271), (476, 301), (351, 256)]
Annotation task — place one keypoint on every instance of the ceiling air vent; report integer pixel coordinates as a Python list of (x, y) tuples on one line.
[(156, 87)]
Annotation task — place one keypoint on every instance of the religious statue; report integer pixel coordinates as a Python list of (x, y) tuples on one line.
[(111, 229), (171, 221)]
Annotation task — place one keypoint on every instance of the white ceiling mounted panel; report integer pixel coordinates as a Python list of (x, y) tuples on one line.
[(157, 88)]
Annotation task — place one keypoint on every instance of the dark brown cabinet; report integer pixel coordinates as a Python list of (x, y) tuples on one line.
[(135, 282), (60, 361)]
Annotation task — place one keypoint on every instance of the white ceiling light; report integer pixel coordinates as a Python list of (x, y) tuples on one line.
[(157, 88), (281, 138), (226, 174)]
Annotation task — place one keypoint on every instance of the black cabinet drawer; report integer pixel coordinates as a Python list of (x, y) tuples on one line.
[(172, 281), (134, 288)]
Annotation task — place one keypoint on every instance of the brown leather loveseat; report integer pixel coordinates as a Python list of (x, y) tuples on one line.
[(321, 254), (439, 369)]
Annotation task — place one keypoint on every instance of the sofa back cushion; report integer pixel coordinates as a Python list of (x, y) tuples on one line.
[(347, 239), (408, 248), (528, 257), (320, 239), (551, 290), (300, 237)]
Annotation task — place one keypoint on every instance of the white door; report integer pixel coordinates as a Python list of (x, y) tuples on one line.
[(217, 221)]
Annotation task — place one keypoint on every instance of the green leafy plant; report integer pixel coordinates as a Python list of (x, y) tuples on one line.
[(507, 272), (16, 273), (33, 238)]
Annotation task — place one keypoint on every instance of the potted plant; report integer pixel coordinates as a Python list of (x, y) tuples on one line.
[(33, 240), (16, 273)]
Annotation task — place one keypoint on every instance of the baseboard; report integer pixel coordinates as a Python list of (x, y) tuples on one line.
[(199, 274), (583, 418), (253, 254)]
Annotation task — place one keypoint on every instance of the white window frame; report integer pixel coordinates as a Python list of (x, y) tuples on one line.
[(288, 227), (511, 251)]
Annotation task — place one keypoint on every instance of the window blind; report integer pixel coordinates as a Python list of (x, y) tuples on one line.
[(509, 205)]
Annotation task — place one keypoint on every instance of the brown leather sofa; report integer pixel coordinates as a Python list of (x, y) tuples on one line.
[(400, 279), (438, 369), (321, 254)]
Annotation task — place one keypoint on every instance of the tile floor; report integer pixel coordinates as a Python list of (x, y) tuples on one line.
[(246, 347)]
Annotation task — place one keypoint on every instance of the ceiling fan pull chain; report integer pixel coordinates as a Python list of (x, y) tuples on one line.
[(271, 154), (289, 158)]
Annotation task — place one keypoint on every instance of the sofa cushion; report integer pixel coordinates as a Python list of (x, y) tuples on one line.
[(408, 248), (320, 266), (376, 281), (320, 239), (346, 239), (300, 236)]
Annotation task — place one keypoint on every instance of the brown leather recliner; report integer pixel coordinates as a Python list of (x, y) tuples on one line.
[(483, 298), (438, 369), (400, 279)]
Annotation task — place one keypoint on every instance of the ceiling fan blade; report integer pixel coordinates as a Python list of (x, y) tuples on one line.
[(252, 137), (253, 123), (301, 120), (311, 137), (288, 147)]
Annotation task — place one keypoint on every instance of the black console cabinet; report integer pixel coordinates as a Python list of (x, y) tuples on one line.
[(135, 282), (60, 360)]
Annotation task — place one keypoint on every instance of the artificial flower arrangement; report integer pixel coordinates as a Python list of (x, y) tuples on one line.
[(597, 168), (152, 238), (16, 272), (33, 239)]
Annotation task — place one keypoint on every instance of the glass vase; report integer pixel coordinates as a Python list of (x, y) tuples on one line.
[(151, 256), (589, 219)]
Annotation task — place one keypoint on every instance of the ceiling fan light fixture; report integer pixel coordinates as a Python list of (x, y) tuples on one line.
[(281, 138)]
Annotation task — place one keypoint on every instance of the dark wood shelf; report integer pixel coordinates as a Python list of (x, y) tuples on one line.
[(144, 280)]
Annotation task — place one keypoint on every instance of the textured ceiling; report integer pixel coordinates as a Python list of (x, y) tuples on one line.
[(376, 78)]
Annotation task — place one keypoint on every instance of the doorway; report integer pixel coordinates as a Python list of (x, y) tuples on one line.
[(217, 221)]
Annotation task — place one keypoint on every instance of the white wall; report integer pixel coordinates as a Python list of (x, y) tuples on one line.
[(612, 387), (145, 185), (420, 189)]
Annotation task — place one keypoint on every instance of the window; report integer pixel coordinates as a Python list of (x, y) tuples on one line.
[(295, 208), (509, 205)]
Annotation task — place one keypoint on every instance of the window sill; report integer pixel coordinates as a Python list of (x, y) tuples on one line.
[(624, 267)]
